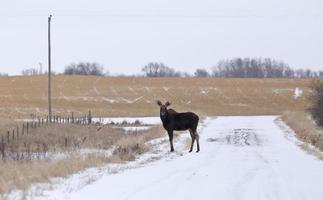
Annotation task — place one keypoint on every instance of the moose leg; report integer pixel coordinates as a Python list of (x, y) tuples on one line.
[(170, 135), (193, 139), (197, 141)]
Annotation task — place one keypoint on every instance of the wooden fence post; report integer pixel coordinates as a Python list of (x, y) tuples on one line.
[(17, 132), (8, 137), (3, 148), (13, 134), (90, 117), (23, 129), (27, 131)]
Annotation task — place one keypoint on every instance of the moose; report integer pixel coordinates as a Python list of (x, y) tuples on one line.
[(174, 121)]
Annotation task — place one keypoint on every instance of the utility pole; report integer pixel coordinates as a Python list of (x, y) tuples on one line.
[(49, 73)]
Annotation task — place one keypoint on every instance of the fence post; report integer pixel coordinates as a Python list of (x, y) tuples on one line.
[(17, 132), (13, 134), (8, 137), (90, 117), (72, 118), (27, 128), (23, 129), (3, 150), (38, 122)]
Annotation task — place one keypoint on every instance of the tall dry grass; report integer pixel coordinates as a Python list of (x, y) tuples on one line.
[(20, 175), (304, 127)]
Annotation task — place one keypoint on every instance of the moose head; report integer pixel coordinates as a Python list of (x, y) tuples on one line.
[(163, 107)]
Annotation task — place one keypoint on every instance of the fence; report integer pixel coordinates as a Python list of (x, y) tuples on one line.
[(26, 128)]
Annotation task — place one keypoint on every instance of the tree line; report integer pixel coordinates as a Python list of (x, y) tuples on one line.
[(236, 68), (228, 68)]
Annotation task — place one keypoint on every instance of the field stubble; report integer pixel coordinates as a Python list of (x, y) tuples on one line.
[(25, 96)]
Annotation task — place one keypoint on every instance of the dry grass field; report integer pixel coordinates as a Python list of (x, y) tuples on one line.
[(21, 97)]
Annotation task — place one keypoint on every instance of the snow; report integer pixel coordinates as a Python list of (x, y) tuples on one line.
[(120, 100), (245, 157), (135, 128), (129, 120), (278, 91), (297, 93), (166, 88)]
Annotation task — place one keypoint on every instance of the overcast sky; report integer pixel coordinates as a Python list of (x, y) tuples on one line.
[(124, 35)]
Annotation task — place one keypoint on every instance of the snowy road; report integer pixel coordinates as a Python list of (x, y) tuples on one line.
[(240, 158)]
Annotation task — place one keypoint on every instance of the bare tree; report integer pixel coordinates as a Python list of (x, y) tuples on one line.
[(316, 97), (30, 72), (84, 68), (154, 69), (252, 68), (201, 73)]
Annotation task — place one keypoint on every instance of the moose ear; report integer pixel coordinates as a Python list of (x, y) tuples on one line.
[(159, 103), (167, 104)]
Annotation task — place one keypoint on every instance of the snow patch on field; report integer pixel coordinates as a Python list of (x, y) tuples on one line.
[(109, 100), (99, 99), (128, 120), (277, 91), (166, 89), (297, 93), (135, 128), (206, 90), (122, 100)]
